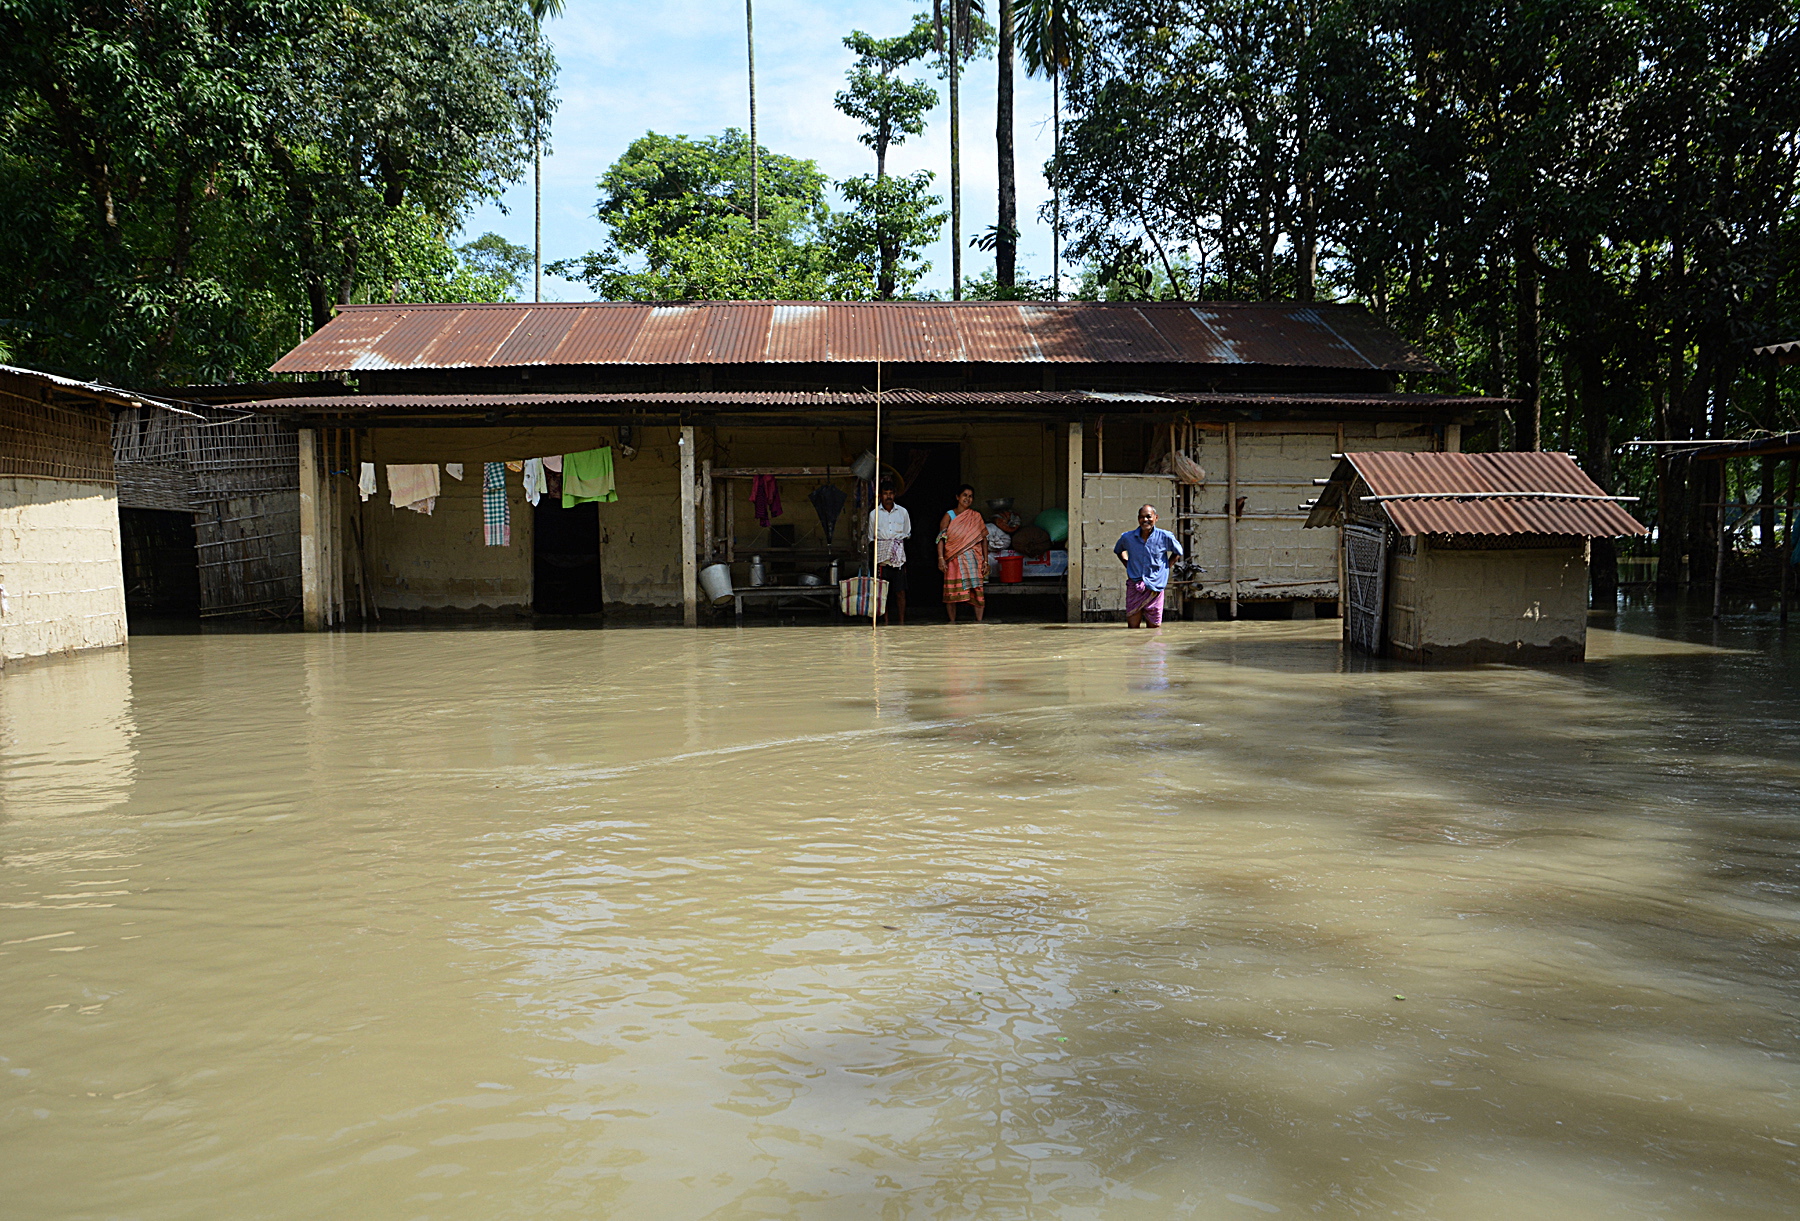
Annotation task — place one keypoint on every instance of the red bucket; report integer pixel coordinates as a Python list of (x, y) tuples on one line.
[(1012, 569)]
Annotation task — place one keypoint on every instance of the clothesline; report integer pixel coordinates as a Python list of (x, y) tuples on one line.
[(584, 477)]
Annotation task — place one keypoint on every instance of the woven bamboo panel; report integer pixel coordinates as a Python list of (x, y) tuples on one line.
[(38, 440)]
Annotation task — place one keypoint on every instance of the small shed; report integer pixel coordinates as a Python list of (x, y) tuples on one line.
[(1458, 558), (61, 588)]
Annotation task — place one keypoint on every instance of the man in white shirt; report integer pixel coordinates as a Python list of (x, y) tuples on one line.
[(891, 526)]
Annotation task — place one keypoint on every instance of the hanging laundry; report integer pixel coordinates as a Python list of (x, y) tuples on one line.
[(553, 463), (414, 486), (535, 485), (453, 469), (552, 482), (588, 478), (515, 467), (495, 517), (765, 498), (828, 501), (365, 484)]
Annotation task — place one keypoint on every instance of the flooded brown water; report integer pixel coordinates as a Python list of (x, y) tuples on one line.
[(1003, 922)]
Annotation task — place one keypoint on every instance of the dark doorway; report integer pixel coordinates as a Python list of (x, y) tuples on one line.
[(933, 470), (565, 555), (162, 565)]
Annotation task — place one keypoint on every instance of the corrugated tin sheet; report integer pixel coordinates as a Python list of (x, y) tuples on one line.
[(366, 404), (1397, 474), (757, 332)]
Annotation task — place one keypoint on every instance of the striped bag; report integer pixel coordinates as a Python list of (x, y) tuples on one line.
[(495, 518), (862, 596)]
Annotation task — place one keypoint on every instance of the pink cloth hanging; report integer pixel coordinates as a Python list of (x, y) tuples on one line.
[(765, 498)]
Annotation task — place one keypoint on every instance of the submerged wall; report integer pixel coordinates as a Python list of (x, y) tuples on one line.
[(60, 569), (1453, 604)]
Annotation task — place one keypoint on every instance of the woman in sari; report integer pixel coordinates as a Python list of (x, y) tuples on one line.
[(963, 555)]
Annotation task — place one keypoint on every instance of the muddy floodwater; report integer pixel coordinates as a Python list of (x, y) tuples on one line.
[(999, 921)]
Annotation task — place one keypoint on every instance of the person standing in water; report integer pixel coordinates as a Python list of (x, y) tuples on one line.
[(1146, 552), (963, 555), (891, 526)]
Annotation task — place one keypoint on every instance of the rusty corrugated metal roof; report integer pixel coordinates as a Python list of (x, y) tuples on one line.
[(1491, 494), (1398, 405), (810, 332)]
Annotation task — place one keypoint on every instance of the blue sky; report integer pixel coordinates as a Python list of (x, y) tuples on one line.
[(677, 67)]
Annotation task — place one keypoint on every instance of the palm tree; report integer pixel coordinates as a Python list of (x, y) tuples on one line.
[(957, 29), (1006, 222), (1050, 37), (755, 168), (539, 10)]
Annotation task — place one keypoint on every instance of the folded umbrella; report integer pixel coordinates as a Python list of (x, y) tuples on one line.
[(828, 501)]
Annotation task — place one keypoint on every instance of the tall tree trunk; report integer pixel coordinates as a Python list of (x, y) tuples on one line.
[(956, 276), (1590, 378), (1006, 229), (537, 221), (1055, 183), (755, 149), (1528, 310)]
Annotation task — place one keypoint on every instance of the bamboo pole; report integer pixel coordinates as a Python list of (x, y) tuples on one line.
[(1231, 517), (1072, 582), (690, 594)]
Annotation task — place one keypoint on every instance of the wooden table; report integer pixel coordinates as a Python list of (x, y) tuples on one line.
[(811, 594)]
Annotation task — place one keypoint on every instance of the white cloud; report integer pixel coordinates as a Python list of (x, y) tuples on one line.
[(678, 67)]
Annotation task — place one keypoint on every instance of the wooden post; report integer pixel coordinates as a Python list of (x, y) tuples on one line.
[(1785, 553), (1231, 480), (312, 606), (709, 545), (1073, 580), (1719, 547), (730, 523), (1452, 439), (690, 570), (1342, 594)]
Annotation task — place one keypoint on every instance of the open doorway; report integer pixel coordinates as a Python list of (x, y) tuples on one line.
[(565, 555), (932, 471), (161, 564)]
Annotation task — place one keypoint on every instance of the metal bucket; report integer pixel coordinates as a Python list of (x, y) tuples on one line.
[(715, 583)]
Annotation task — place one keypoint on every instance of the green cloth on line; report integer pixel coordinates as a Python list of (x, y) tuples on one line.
[(588, 478)]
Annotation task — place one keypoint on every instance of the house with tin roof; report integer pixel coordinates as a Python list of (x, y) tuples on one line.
[(1071, 408)]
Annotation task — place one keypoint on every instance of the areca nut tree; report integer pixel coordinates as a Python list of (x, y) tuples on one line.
[(539, 10), (1050, 35)]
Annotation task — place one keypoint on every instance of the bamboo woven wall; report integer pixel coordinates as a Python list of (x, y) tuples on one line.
[(239, 475), (41, 441)]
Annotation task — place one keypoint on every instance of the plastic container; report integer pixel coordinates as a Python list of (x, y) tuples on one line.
[(715, 582), (1012, 569), (1050, 564)]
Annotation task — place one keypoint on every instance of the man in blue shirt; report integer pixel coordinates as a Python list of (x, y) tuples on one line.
[(1146, 552)]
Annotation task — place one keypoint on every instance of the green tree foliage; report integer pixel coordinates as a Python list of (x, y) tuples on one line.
[(493, 256), (1587, 205), (677, 212), (891, 218), (189, 185)]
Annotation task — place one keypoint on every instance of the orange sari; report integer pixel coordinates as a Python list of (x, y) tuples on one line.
[(965, 557)]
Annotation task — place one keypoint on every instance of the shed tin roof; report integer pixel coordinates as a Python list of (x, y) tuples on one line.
[(1308, 335), (1488, 494)]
